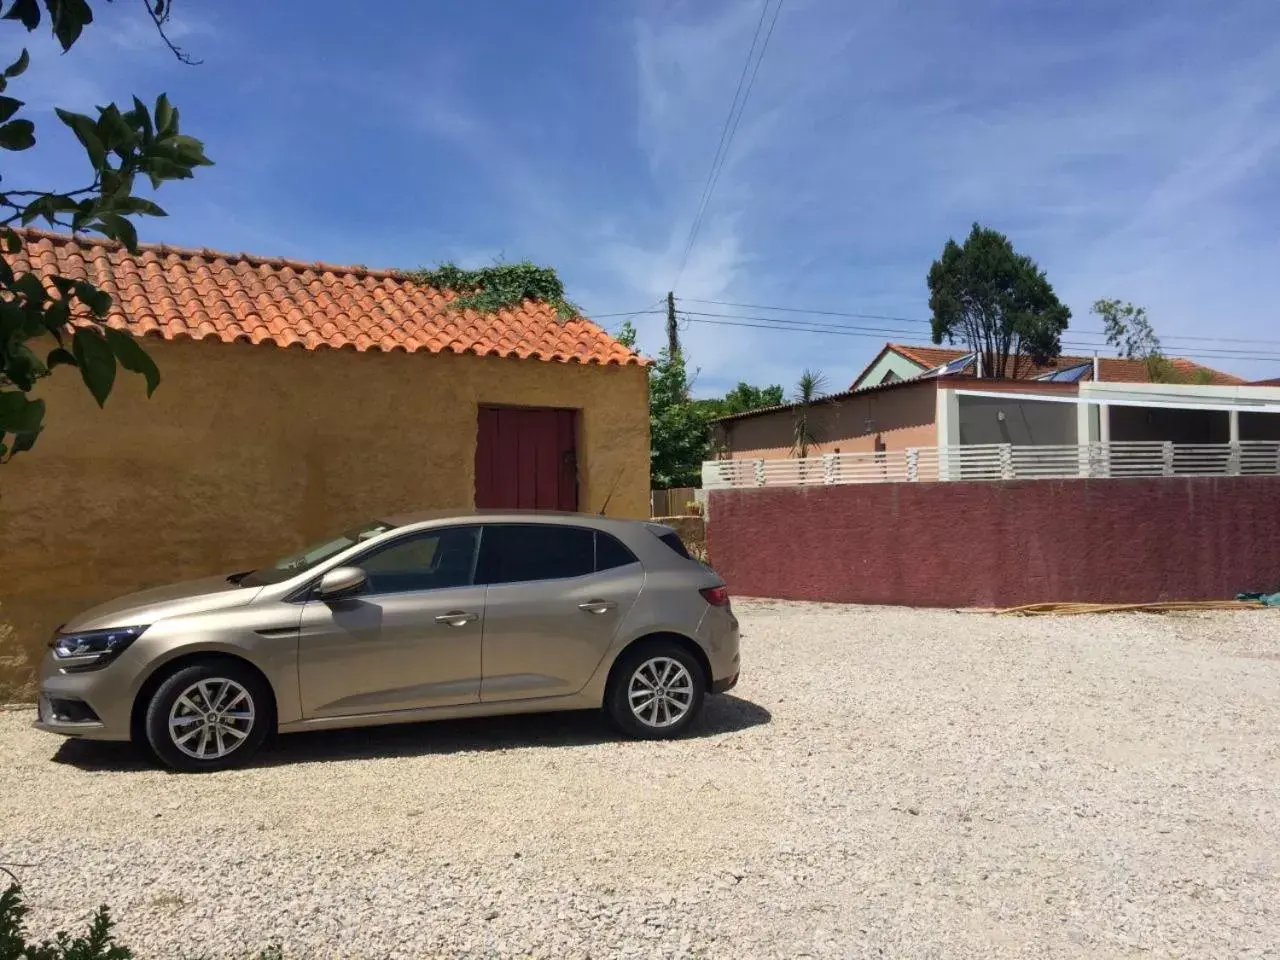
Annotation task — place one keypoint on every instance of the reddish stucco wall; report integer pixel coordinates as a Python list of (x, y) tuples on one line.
[(900, 416), (1000, 544)]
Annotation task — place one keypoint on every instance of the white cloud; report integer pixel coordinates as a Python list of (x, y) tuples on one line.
[(1115, 149)]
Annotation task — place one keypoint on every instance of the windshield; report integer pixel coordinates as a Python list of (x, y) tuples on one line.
[(304, 560)]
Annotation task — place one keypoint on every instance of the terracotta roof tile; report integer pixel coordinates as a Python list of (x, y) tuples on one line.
[(172, 292), (1113, 369)]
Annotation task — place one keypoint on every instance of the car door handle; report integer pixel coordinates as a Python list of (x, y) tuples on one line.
[(457, 618), (597, 606)]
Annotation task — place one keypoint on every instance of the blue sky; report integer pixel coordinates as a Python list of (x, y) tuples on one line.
[(1131, 149)]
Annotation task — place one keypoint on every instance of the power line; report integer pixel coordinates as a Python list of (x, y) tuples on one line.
[(889, 317), (623, 313), (825, 313), (728, 131), (798, 326), (816, 324)]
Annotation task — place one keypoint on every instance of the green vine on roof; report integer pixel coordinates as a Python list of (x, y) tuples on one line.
[(489, 289)]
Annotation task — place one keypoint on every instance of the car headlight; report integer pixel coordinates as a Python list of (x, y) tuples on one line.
[(96, 648)]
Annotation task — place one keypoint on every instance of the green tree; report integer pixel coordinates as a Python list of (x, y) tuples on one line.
[(626, 335), (996, 301), (811, 387), (746, 397), (677, 426), (1129, 330), (740, 399), (67, 323)]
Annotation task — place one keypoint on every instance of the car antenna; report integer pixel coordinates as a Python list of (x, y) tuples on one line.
[(605, 506)]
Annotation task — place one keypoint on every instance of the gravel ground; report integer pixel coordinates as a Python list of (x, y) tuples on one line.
[(883, 783)]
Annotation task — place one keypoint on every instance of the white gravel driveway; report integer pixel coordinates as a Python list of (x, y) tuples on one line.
[(883, 783)]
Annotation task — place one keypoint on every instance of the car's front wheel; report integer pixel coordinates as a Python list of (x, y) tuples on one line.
[(209, 716), (656, 691)]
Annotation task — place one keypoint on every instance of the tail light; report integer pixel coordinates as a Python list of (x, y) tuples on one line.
[(716, 596)]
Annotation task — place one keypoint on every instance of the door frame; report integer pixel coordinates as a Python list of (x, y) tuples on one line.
[(575, 412)]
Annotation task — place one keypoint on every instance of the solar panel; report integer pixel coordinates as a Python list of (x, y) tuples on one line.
[(955, 366), (1067, 374)]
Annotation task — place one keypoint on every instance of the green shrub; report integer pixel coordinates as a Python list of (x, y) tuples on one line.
[(98, 943)]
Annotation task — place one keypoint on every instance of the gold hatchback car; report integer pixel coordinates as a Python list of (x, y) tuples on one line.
[(404, 619)]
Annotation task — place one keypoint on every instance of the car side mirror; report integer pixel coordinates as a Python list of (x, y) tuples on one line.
[(340, 583)]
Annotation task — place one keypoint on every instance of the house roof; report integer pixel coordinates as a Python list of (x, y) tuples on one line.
[(1113, 369), (828, 398), (177, 293)]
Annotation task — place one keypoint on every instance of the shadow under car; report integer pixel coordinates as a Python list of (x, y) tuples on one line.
[(721, 714)]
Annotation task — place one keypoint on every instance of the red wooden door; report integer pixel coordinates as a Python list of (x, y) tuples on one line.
[(526, 459)]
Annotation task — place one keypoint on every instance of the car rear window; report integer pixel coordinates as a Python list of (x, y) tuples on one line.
[(611, 553), (672, 540)]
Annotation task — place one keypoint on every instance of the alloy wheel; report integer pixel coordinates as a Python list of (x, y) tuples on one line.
[(211, 718), (660, 692)]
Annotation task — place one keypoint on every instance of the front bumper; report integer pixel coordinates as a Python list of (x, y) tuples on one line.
[(94, 705)]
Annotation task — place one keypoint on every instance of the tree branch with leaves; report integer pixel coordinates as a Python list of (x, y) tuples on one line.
[(1129, 330), (64, 317)]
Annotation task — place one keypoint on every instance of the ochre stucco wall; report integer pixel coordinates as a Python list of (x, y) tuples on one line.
[(248, 451)]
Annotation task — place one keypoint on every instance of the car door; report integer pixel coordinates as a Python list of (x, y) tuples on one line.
[(555, 596), (410, 639)]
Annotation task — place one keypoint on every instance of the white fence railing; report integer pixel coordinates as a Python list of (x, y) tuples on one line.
[(1003, 461)]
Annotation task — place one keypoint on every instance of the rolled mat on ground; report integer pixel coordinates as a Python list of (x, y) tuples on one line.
[(1244, 602), (1266, 599)]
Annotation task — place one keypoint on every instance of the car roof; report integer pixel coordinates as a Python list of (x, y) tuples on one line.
[(513, 516)]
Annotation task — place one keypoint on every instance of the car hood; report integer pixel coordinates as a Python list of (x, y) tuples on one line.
[(179, 599)]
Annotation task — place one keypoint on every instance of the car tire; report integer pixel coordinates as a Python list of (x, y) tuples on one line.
[(209, 716), (655, 691)]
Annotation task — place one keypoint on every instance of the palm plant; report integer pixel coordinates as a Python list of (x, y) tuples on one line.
[(812, 386)]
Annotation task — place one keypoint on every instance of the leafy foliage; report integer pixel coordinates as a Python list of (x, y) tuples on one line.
[(742, 398), (626, 335), (97, 943), (746, 397), (120, 146), (677, 426), (492, 288), (811, 386), (997, 301), (1129, 330)]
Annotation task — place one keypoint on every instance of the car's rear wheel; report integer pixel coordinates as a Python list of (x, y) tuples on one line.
[(656, 691), (209, 716)]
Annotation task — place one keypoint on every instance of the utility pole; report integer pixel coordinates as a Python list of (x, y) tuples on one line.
[(673, 329)]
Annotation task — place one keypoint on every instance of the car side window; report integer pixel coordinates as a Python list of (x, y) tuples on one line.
[(521, 552), (433, 560), (611, 552)]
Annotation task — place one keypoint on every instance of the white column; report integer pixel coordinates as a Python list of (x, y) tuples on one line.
[(947, 421), (1084, 423), (1104, 423), (1233, 455), (1085, 434)]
